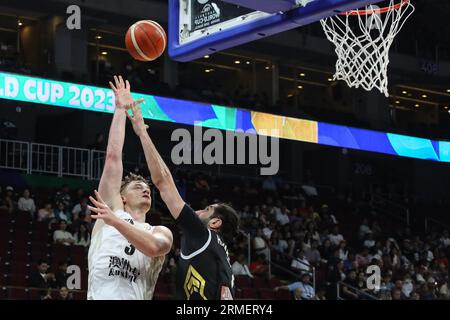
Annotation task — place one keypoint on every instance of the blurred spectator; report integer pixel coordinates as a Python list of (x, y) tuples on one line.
[(303, 289), (343, 251), (335, 237), (396, 294), (26, 203), (82, 236), (8, 202), (364, 229), (350, 283), (363, 258), (201, 184), (61, 275), (63, 195), (444, 290), (260, 245), (312, 255), (81, 207), (64, 294), (283, 216), (369, 242), (41, 278), (46, 214), (407, 286), (80, 194), (259, 266), (269, 184), (240, 268), (61, 213), (445, 240), (62, 236), (300, 264)]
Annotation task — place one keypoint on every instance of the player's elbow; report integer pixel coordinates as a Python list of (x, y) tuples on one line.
[(113, 155), (161, 246), (161, 182)]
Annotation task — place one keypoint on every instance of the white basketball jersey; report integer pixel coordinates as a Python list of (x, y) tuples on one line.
[(117, 271)]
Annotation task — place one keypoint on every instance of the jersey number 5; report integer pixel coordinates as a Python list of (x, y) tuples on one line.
[(130, 250)]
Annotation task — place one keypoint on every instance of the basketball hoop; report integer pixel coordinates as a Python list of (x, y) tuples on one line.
[(362, 38)]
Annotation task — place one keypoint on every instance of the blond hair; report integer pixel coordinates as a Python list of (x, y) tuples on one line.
[(131, 177)]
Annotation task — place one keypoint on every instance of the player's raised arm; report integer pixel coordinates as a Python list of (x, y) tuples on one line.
[(109, 187), (160, 173)]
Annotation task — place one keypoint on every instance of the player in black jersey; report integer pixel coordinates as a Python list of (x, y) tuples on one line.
[(204, 270)]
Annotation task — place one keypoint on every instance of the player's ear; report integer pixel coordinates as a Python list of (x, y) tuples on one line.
[(215, 223)]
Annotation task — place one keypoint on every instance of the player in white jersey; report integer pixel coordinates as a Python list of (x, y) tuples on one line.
[(126, 254)]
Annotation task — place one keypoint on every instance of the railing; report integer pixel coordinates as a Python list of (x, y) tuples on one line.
[(355, 290), (15, 155), (51, 159), (96, 164)]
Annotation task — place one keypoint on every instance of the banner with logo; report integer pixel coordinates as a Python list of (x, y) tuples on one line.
[(90, 98)]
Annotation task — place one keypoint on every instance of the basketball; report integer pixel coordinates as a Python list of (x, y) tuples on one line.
[(146, 40)]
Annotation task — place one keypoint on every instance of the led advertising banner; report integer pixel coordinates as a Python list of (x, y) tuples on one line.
[(90, 98)]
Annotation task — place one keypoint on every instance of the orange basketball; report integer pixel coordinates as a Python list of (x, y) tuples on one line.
[(146, 40)]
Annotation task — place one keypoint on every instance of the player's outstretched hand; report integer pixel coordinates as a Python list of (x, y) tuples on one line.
[(122, 93), (137, 120), (102, 210)]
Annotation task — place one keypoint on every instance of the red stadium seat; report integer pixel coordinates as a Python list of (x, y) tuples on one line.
[(20, 266), (60, 253), (258, 282), (249, 293), (18, 280), (242, 281), (78, 251), (266, 294), (274, 282), (34, 294), (79, 295), (283, 295), (3, 293)]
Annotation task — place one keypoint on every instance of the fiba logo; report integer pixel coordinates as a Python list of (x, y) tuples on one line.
[(202, 1)]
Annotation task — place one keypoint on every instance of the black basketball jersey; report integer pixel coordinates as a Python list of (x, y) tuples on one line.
[(204, 270)]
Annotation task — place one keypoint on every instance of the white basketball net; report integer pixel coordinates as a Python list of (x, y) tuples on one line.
[(362, 40)]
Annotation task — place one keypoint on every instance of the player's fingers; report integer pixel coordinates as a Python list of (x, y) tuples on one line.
[(129, 116), (112, 86), (99, 198), (94, 209), (116, 81), (96, 217), (138, 101), (121, 82), (127, 84), (94, 201)]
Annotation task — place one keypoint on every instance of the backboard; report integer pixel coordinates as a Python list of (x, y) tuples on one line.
[(201, 27)]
